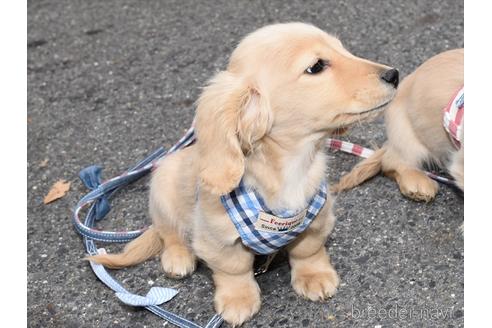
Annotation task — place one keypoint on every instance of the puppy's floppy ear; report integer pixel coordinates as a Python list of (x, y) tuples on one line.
[(230, 117), (255, 120)]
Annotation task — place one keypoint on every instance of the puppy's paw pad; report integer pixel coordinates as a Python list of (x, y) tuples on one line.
[(316, 286), (237, 306), (420, 188), (178, 262)]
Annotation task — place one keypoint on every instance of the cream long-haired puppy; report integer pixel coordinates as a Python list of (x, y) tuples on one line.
[(263, 123), (416, 131)]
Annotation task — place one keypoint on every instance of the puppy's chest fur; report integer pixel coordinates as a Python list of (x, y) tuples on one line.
[(288, 181)]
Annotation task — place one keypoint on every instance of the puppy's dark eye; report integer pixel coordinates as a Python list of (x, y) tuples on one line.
[(318, 67)]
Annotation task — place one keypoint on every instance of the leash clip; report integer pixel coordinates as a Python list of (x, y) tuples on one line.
[(263, 268)]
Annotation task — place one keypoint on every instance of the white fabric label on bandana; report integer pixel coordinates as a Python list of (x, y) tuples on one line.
[(270, 223)]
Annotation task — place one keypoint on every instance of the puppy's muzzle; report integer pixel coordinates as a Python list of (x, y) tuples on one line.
[(391, 76)]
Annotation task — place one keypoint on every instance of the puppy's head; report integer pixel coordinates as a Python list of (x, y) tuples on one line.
[(283, 80)]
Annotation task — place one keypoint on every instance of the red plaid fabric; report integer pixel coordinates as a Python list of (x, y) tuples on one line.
[(453, 117)]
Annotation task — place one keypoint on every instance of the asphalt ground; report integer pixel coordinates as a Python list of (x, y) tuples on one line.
[(110, 81)]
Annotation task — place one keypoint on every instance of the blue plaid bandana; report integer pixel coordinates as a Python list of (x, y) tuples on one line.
[(265, 231)]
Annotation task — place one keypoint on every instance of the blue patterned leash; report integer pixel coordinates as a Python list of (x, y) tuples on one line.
[(97, 202)]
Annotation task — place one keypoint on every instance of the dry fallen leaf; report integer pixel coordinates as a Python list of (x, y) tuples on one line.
[(58, 190), (44, 163)]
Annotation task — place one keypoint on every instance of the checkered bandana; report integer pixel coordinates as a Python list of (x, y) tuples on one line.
[(453, 117), (263, 230)]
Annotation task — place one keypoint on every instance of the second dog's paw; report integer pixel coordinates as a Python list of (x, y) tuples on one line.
[(417, 186), (315, 286), (237, 305), (178, 262)]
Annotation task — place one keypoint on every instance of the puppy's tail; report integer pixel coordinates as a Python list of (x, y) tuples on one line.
[(145, 246), (366, 169)]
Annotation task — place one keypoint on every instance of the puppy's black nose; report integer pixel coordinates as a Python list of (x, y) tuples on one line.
[(391, 76)]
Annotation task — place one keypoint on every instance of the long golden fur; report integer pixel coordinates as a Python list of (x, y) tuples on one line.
[(415, 131), (263, 119)]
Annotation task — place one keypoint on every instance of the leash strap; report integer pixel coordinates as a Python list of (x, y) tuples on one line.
[(97, 202), (101, 192), (349, 147), (360, 151)]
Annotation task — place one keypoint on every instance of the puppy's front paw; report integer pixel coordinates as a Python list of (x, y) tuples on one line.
[(315, 286), (417, 186), (237, 303), (178, 262)]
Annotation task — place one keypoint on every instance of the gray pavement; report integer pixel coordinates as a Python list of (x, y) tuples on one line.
[(109, 81)]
